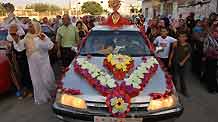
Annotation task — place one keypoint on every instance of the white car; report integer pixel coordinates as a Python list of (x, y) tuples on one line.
[(156, 100)]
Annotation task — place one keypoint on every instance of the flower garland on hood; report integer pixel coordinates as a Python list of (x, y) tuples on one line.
[(140, 77), (117, 95), (97, 78), (170, 86)]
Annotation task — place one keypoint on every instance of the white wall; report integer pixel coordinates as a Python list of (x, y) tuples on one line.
[(147, 4), (125, 6), (204, 10)]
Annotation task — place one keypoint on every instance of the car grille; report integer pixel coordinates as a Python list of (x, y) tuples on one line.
[(135, 107)]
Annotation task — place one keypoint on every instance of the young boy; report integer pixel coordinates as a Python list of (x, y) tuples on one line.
[(165, 42), (180, 58)]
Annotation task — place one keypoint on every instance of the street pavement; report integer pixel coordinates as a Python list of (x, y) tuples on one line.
[(200, 107)]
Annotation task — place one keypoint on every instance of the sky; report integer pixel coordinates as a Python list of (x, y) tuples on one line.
[(24, 2), (61, 3)]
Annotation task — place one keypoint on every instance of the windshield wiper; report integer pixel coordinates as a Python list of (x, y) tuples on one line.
[(92, 54), (101, 54), (140, 55)]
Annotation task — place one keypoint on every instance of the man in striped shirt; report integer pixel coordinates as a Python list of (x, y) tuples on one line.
[(211, 53)]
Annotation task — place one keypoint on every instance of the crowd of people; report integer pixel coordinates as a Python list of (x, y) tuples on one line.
[(188, 43), (36, 45), (185, 42)]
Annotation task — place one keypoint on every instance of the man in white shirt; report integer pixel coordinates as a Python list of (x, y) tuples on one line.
[(19, 52), (165, 42)]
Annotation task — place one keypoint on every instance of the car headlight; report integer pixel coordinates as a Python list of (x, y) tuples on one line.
[(162, 103), (72, 101)]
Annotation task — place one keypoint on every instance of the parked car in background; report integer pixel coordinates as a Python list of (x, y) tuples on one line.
[(5, 78)]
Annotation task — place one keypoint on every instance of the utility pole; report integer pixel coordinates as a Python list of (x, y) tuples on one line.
[(69, 7), (69, 4), (216, 6)]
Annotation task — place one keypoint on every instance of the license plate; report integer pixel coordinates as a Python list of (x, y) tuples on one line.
[(111, 119)]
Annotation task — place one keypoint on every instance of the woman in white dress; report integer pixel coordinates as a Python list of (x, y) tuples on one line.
[(37, 46)]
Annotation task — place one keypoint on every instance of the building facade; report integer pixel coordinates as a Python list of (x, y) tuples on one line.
[(153, 8), (199, 7)]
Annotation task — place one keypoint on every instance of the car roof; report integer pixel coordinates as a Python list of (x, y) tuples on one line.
[(109, 28)]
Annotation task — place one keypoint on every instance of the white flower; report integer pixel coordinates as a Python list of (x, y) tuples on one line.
[(153, 60), (95, 74), (111, 84), (102, 79), (141, 69), (136, 85), (118, 105), (84, 66), (113, 101), (134, 80), (143, 66), (80, 61), (149, 64), (139, 74), (136, 77)]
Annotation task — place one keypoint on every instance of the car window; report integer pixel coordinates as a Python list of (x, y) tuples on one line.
[(122, 42), (3, 34)]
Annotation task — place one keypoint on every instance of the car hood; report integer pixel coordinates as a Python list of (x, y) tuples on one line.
[(72, 80)]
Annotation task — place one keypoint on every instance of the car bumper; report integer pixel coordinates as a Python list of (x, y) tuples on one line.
[(88, 115)]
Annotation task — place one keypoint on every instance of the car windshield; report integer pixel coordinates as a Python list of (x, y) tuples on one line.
[(123, 42)]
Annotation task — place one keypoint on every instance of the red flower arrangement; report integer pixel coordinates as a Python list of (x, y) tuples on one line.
[(118, 102), (121, 68)]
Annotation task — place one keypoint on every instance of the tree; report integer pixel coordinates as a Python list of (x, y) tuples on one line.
[(54, 8), (2, 10), (92, 8), (41, 7)]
